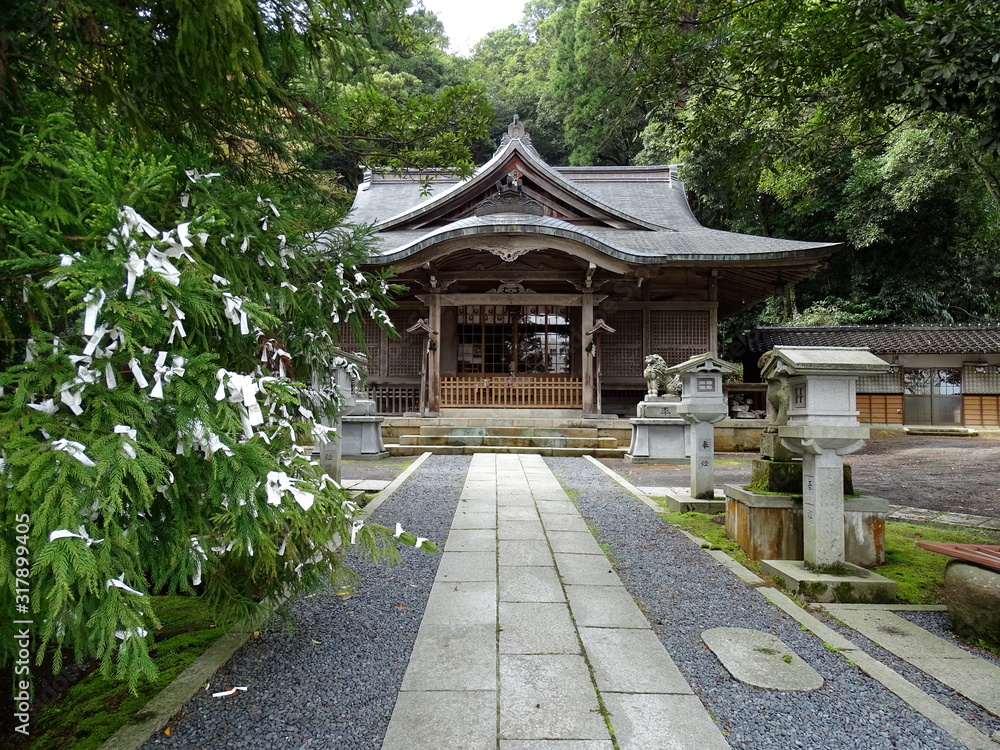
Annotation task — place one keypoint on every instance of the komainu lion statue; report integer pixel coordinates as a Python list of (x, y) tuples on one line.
[(657, 377)]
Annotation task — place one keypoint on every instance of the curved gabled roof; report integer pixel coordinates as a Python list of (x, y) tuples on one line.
[(487, 176), (638, 215)]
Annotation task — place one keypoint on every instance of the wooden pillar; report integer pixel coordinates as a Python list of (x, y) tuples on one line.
[(434, 360), (713, 313), (586, 347)]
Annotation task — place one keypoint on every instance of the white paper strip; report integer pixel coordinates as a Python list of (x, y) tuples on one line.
[(231, 691), (76, 450), (90, 314), (119, 583), (67, 534)]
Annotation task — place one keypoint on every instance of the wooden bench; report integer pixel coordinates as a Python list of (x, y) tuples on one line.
[(981, 554)]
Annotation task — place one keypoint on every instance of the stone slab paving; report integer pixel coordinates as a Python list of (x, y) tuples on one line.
[(761, 660), (976, 679), (528, 630)]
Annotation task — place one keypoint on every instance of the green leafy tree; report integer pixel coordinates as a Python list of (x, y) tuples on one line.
[(874, 122), (170, 294)]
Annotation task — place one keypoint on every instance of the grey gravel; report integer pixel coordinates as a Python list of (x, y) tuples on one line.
[(339, 693), (332, 682), (939, 624), (683, 592)]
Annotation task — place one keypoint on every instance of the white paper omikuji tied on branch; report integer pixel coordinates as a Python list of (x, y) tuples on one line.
[(48, 406), (95, 340), (278, 483), (123, 635), (136, 369), (81, 533), (127, 447), (95, 300), (76, 450), (234, 312), (119, 583), (134, 267)]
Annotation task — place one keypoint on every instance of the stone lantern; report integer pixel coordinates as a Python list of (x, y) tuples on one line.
[(702, 405), (822, 426)]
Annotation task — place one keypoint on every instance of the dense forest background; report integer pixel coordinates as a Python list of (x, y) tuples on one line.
[(875, 123)]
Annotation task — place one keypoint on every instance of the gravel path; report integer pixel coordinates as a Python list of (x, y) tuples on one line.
[(332, 682), (684, 592)]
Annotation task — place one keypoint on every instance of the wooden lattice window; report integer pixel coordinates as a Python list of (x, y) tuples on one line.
[(406, 351), (370, 342), (621, 353), (514, 339), (677, 335)]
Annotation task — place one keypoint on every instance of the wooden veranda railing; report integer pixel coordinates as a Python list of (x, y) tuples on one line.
[(503, 391)]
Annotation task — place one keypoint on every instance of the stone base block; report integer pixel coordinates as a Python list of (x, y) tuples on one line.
[(854, 585), (682, 502), (973, 596), (771, 447), (785, 476), (769, 527), (659, 441), (361, 438)]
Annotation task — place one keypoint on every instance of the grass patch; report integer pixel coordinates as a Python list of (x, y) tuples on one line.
[(701, 525), (728, 463), (93, 709), (919, 573)]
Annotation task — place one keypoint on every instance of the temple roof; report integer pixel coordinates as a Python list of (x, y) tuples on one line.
[(639, 215)]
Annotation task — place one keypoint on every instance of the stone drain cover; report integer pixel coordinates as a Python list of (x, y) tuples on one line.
[(761, 660)]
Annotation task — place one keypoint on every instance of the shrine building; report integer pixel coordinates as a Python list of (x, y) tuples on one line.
[(540, 287)]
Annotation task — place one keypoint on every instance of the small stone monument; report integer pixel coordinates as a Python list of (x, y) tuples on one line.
[(659, 433), (361, 427), (356, 432), (815, 416), (702, 405)]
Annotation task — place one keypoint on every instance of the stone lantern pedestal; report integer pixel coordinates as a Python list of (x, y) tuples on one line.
[(815, 418)]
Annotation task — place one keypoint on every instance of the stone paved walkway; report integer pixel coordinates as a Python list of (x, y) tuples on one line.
[(530, 640)]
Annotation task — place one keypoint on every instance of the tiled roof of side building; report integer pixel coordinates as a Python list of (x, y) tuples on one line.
[(882, 339)]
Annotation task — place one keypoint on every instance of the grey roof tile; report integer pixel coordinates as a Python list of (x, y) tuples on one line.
[(648, 197), (887, 339)]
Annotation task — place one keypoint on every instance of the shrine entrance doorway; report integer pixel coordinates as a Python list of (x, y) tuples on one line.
[(513, 356)]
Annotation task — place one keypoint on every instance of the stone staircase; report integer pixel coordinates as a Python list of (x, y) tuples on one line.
[(558, 436)]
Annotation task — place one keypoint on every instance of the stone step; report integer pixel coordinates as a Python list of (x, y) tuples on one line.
[(941, 431), (524, 431), (528, 441), (468, 450)]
